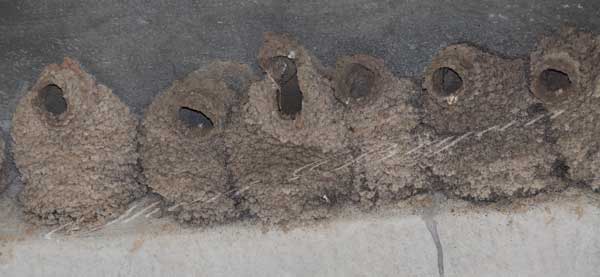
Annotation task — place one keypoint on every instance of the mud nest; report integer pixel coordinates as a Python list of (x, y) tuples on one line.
[(285, 135), (184, 155), (381, 112), (565, 76), (488, 143), (75, 147)]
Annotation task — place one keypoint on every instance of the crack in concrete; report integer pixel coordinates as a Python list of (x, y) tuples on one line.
[(432, 226)]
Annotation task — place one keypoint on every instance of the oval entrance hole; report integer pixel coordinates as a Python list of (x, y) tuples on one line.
[(53, 100), (359, 81), (553, 83), (446, 81), (194, 119)]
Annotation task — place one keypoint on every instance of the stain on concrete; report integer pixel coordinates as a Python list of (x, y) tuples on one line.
[(75, 147), (136, 245)]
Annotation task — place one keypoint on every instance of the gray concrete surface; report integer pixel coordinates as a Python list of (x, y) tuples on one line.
[(541, 237), (346, 249)]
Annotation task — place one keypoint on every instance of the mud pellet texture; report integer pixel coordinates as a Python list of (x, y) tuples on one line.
[(565, 75), (381, 112), (281, 163), (485, 147), (75, 147), (183, 149)]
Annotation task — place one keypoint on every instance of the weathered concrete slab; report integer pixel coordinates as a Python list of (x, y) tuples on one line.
[(397, 246), (548, 240), (554, 237)]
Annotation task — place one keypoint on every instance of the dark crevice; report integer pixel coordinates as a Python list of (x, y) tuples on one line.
[(359, 80), (446, 81), (194, 119), (553, 81), (289, 97), (560, 169), (53, 100)]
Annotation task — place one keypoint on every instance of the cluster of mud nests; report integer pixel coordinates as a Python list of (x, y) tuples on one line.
[(305, 140)]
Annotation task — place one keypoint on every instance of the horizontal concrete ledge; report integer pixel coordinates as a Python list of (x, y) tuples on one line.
[(557, 236)]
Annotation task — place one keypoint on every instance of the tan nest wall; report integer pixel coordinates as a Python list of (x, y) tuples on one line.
[(381, 112), (281, 161), (75, 146), (187, 164), (565, 76), (480, 104)]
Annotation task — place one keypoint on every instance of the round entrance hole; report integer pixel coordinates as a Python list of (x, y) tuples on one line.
[(446, 81), (53, 100), (289, 97), (360, 81), (553, 83), (194, 119)]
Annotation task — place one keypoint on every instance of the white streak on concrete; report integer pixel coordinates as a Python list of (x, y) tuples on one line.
[(48, 236), (152, 212), (122, 216), (140, 212)]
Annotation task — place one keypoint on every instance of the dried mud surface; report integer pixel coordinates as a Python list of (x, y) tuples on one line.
[(576, 54), (381, 112), (187, 165), (280, 163), (79, 165), (493, 154)]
